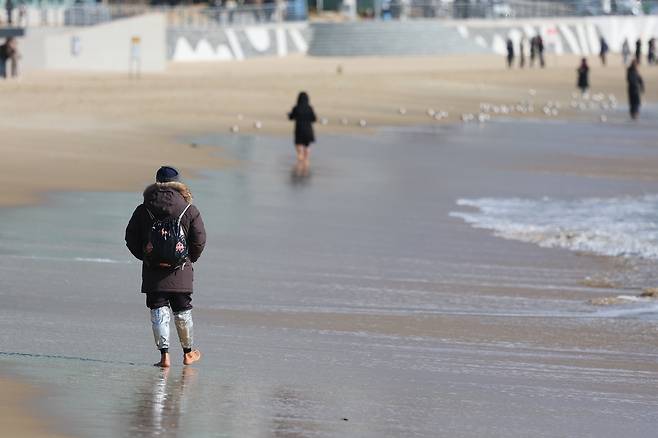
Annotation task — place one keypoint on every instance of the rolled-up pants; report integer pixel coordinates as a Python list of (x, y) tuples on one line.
[(181, 306)]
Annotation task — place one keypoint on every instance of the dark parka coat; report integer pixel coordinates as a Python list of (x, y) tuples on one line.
[(304, 117), (635, 88), (166, 200), (583, 77)]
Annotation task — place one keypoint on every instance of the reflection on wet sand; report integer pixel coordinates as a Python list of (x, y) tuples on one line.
[(161, 403), (300, 174)]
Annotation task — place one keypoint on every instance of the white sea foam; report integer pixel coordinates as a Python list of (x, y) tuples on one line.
[(650, 309), (625, 226)]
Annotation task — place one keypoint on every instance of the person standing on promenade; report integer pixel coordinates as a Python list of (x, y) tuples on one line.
[(12, 55), (510, 53), (625, 51), (603, 53), (4, 49), (304, 117), (635, 88), (533, 51), (522, 52), (638, 51), (651, 52), (167, 233), (9, 8), (583, 76)]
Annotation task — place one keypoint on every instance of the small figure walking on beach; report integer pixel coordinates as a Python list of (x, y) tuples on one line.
[(522, 42), (603, 53), (510, 53), (304, 117), (625, 51), (167, 233), (9, 54), (583, 76), (540, 50), (651, 52), (638, 51), (635, 88)]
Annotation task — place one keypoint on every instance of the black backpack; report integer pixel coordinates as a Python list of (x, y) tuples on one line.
[(166, 246)]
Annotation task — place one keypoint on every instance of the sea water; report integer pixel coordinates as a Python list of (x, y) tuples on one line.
[(296, 265)]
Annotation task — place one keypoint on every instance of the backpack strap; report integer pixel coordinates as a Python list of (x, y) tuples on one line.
[(150, 214), (181, 215)]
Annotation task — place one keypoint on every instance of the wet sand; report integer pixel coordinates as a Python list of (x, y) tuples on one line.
[(351, 294), (65, 132), (17, 414)]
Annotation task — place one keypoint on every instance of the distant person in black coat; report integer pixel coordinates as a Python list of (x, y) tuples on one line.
[(304, 118), (638, 51), (9, 7), (651, 51), (510, 53), (604, 50), (583, 76), (635, 88), (522, 52), (540, 50)]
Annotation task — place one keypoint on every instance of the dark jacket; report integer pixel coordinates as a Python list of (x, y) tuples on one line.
[(583, 77), (304, 117), (634, 80), (166, 200)]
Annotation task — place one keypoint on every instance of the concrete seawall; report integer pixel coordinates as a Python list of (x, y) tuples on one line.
[(441, 37), (237, 43)]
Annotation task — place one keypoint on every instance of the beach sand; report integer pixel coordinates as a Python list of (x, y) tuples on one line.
[(107, 132)]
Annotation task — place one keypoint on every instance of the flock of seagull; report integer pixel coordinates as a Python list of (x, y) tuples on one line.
[(579, 102)]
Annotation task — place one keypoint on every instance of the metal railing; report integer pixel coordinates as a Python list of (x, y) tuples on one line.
[(234, 14), (197, 17), (465, 9)]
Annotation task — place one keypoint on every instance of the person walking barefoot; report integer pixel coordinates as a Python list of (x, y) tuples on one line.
[(635, 88), (167, 234), (304, 117), (583, 76)]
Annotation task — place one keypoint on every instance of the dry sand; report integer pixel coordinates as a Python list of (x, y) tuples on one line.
[(107, 132)]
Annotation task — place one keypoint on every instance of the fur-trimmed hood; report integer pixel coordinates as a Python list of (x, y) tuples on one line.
[(178, 186), (167, 199)]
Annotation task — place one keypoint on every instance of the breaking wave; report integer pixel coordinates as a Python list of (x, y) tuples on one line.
[(624, 226)]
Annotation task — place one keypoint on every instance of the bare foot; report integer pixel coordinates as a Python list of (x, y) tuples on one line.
[(191, 357), (164, 361)]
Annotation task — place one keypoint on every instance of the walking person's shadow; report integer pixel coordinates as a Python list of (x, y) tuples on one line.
[(300, 174)]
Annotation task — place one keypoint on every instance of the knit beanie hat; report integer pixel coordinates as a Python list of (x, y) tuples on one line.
[(166, 174)]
